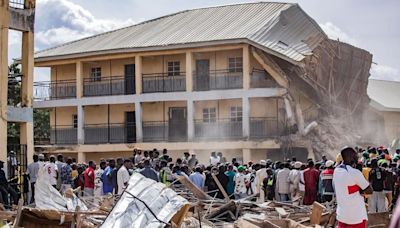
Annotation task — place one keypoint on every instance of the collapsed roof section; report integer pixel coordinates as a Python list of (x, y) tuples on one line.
[(145, 203), (280, 29)]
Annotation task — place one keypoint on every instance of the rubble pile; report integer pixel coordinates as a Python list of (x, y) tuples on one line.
[(146, 203)]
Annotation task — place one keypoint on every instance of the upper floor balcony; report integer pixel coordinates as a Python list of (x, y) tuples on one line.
[(109, 86), (164, 82), (54, 90), (217, 80)]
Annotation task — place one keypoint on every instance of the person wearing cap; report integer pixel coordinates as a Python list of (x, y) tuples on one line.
[(185, 159), (6, 189), (241, 182), (326, 181), (261, 174), (311, 177), (294, 180), (349, 184), (51, 171)]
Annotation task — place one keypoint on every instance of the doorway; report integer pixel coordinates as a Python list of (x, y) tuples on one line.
[(202, 74), (177, 124), (130, 127), (130, 79)]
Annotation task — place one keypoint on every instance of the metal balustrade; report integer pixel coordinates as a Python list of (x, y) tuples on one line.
[(217, 80), (163, 131), (264, 127), (219, 129), (108, 86), (63, 134), (261, 79), (54, 90), (110, 133), (162, 82)]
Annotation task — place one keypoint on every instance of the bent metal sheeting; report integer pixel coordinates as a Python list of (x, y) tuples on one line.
[(131, 210)]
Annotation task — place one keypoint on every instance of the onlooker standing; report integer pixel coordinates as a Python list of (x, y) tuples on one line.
[(59, 163), (311, 177), (166, 176), (348, 182), (294, 180), (241, 182), (32, 171), (138, 157), (198, 178), (282, 182), (89, 179), (223, 179), (66, 175), (326, 182), (261, 174), (98, 180), (149, 172), (123, 176), (214, 159), (5, 188), (120, 163), (377, 177), (51, 171), (108, 185), (231, 180), (193, 161)]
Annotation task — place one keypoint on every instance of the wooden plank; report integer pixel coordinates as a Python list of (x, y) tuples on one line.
[(282, 212), (316, 213), (178, 218), (19, 213), (242, 223), (197, 192), (221, 188)]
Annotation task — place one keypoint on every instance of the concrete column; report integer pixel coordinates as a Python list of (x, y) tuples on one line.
[(81, 157), (138, 74), (189, 71), (138, 117), (246, 155), (190, 120), (3, 78), (81, 125), (246, 117), (246, 67), (79, 79)]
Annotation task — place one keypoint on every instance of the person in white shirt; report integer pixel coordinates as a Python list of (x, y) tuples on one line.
[(294, 180), (123, 176), (98, 181), (241, 181), (349, 183), (51, 172), (214, 159), (261, 174), (32, 171)]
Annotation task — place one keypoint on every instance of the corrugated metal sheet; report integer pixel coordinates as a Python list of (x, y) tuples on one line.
[(129, 212), (282, 28), (386, 94)]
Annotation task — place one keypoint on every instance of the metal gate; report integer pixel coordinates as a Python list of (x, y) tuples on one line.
[(16, 169)]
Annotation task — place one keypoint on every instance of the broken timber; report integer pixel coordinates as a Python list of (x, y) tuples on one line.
[(197, 192)]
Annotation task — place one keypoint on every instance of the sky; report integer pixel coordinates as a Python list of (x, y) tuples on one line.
[(368, 24)]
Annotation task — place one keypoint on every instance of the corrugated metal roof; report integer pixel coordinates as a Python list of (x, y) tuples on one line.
[(385, 95), (281, 28), (129, 212)]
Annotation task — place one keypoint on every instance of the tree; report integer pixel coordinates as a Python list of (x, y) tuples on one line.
[(14, 99), (41, 124)]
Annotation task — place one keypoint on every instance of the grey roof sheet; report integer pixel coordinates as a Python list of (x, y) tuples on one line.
[(281, 28), (385, 94)]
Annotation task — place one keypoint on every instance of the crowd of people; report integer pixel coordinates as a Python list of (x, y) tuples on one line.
[(374, 172)]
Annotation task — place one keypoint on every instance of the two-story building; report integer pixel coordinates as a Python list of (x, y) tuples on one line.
[(199, 80)]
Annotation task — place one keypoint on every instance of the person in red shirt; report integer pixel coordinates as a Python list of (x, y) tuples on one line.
[(311, 177), (89, 179)]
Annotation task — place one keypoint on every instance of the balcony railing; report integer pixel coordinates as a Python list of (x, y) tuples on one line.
[(163, 131), (217, 80), (54, 90), (264, 127), (19, 4), (108, 86), (220, 129), (261, 79), (63, 134), (110, 133), (161, 82)]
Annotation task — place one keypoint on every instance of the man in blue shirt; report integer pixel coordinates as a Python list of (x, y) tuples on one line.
[(197, 178), (108, 185), (148, 171)]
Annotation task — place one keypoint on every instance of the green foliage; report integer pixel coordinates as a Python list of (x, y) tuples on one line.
[(41, 124)]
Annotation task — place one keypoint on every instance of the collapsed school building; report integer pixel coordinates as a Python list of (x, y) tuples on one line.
[(255, 81)]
